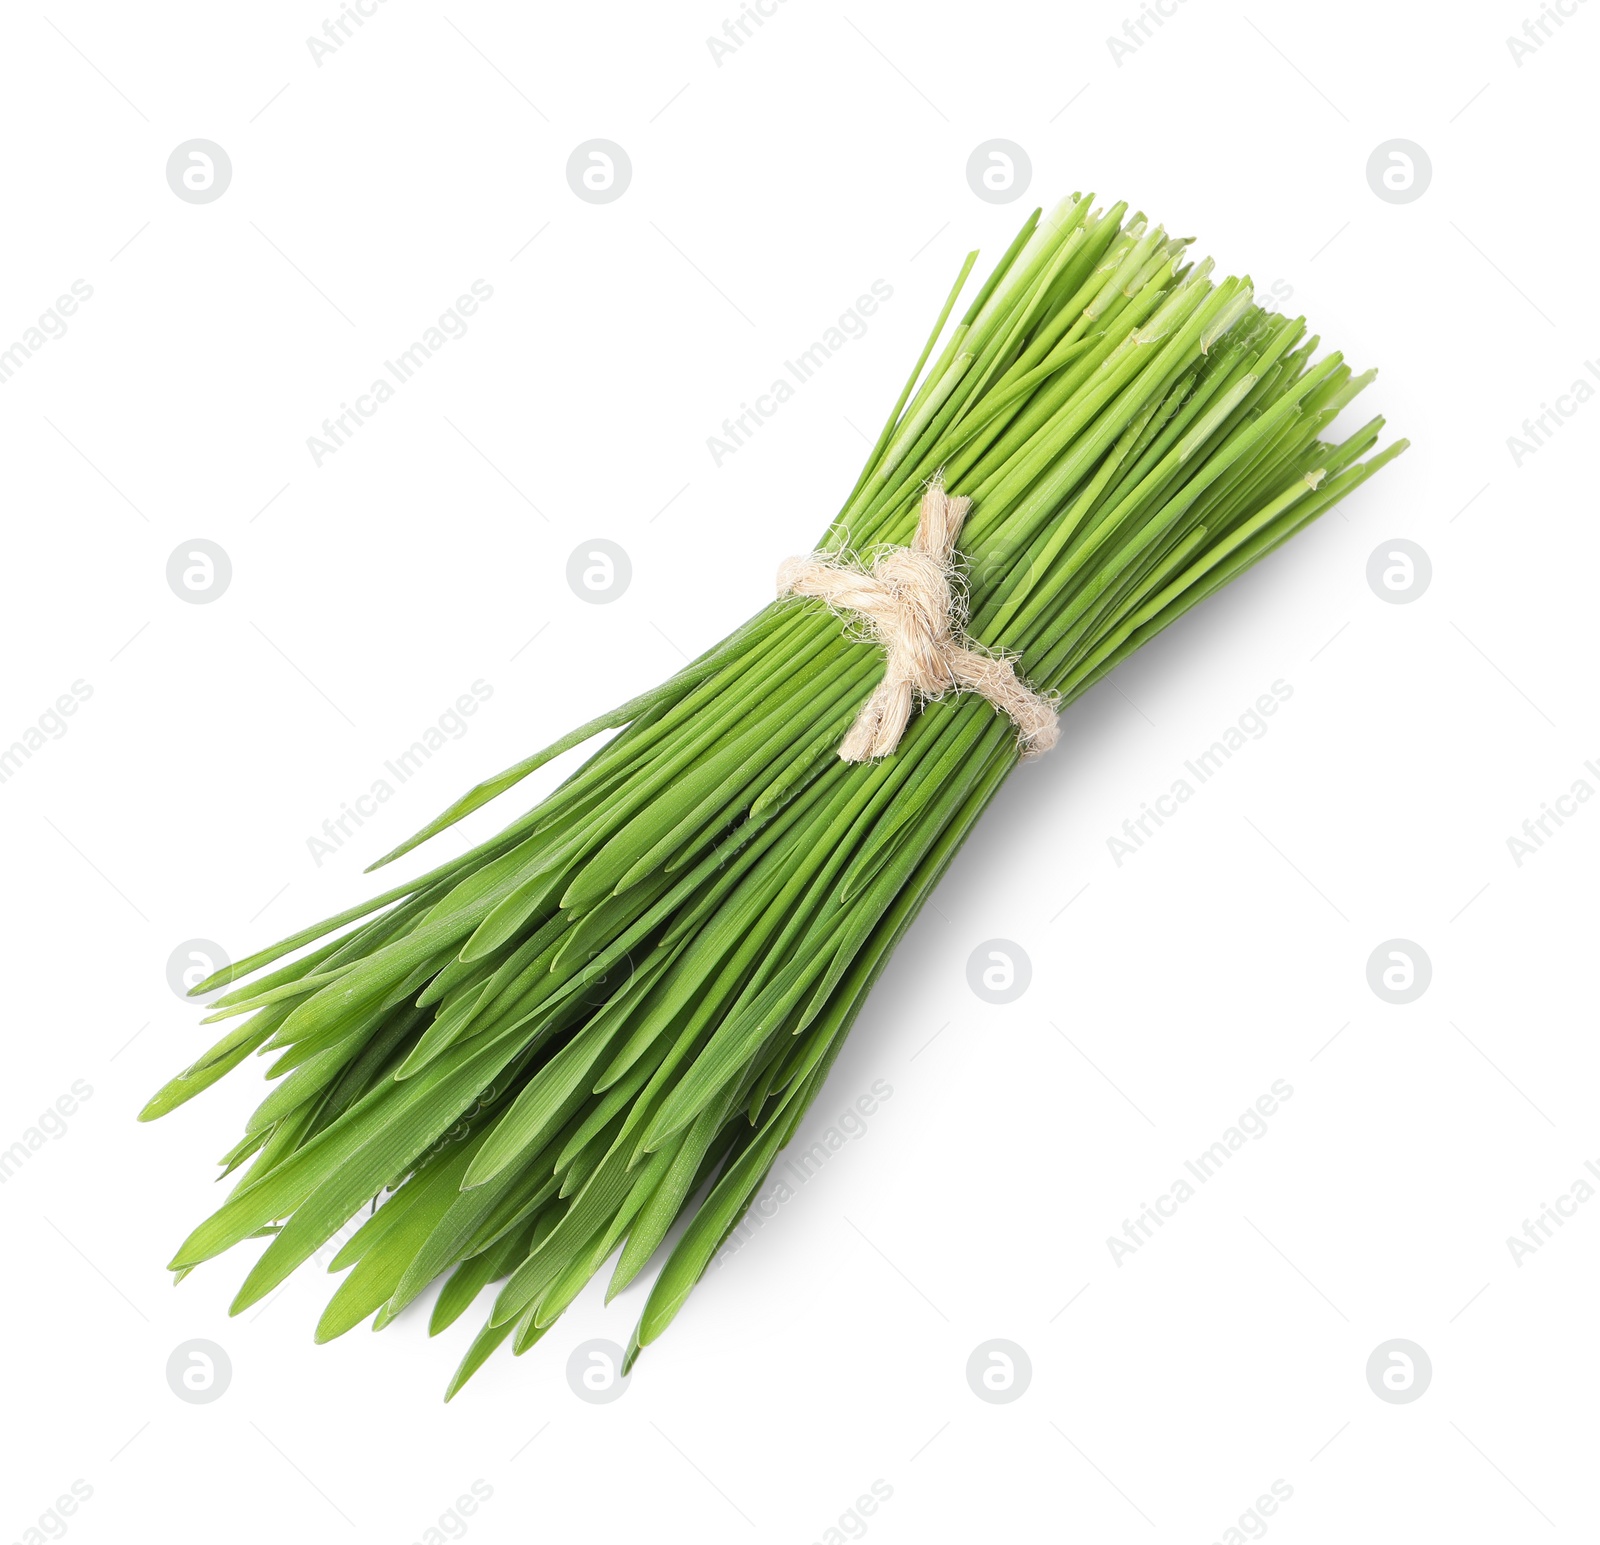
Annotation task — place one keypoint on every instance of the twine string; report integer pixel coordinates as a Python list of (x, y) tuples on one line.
[(910, 599)]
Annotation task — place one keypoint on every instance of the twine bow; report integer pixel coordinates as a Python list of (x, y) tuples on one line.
[(910, 599)]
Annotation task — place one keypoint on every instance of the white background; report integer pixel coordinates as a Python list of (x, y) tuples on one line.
[(1167, 1393)]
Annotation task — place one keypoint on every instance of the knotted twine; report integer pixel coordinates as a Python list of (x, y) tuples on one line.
[(912, 602)]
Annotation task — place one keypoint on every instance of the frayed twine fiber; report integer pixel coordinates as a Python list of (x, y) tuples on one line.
[(910, 599)]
